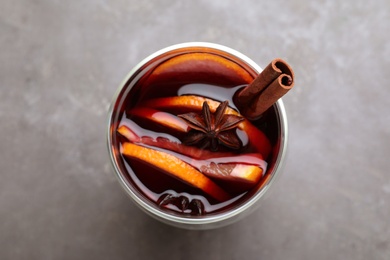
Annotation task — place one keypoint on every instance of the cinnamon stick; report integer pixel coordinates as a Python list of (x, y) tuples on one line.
[(270, 85)]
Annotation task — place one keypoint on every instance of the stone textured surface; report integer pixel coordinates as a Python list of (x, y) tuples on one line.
[(61, 62)]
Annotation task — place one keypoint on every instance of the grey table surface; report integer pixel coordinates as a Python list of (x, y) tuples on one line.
[(61, 62)]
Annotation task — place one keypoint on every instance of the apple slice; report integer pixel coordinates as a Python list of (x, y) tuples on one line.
[(176, 168), (166, 144), (129, 134), (235, 178), (194, 103), (234, 172)]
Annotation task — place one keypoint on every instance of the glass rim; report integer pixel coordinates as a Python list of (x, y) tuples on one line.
[(214, 217)]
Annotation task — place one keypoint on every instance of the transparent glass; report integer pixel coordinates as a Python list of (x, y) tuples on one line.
[(207, 221)]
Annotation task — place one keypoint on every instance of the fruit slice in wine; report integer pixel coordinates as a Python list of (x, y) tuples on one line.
[(176, 168)]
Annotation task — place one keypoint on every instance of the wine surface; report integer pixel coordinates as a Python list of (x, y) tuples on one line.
[(147, 113)]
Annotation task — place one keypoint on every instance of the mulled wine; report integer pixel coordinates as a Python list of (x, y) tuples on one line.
[(180, 142)]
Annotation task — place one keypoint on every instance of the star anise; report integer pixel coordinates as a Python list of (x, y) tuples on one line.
[(211, 129)]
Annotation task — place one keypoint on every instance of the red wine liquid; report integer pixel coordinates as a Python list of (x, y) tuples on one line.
[(162, 189)]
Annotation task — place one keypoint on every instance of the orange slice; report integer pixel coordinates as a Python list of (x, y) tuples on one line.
[(202, 67), (190, 103), (256, 137), (160, 117), (224, 166), (176, 168)]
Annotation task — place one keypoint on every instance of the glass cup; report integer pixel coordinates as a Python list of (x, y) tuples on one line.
[(207, 221)]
